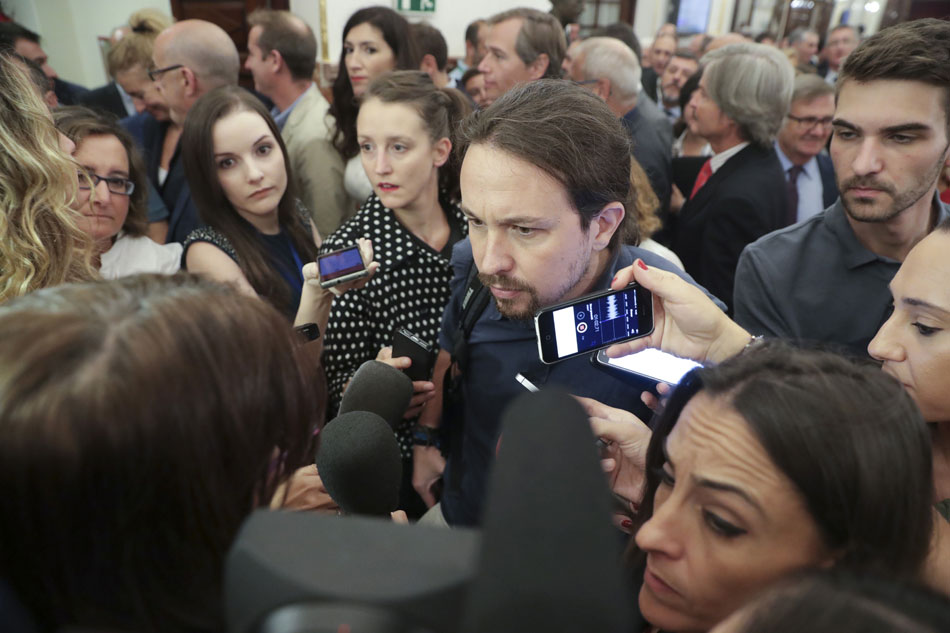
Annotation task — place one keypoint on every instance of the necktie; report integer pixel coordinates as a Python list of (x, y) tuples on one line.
[(703, 176), (792, 190)]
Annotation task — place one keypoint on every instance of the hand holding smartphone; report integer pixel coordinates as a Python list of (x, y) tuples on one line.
[(341, 266), (405, 343), (593, 322)]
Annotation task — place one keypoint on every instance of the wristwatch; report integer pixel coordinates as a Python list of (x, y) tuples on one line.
[(426, 436)]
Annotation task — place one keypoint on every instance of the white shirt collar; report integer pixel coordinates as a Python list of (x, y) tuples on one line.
[(718, 160)]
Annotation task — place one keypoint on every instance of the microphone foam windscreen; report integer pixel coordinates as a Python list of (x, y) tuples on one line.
[(550, 559), (359, 462), (378, 388)]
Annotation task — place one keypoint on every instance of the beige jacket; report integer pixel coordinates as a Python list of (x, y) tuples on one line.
[(317, 166)]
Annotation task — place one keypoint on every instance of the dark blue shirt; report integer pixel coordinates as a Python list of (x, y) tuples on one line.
[(500, 348)]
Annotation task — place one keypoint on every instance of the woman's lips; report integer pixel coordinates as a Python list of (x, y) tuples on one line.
[(387, 186), (260, 193), (656, 584)]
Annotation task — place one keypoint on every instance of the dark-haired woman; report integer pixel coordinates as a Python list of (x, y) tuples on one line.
[(413, 219), (256, 236), (375, 41), (774, 461)]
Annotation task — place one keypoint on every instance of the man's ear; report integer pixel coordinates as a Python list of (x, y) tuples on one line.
[(189, 81), (602, 87), (428, 65), (605, 224), (539, 66), (276, 61)]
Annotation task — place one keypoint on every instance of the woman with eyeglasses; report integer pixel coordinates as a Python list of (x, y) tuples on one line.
[(113, 196)]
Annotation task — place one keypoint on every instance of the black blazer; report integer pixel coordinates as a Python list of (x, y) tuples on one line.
[(829, 187), (741, 202), (648, 79), (106, 98)]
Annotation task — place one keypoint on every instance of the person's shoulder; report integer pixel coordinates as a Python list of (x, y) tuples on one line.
[(791, 241), (308, 119), (211, 236)]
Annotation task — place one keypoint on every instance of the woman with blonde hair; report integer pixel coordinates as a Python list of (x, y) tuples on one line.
[(41, 243)]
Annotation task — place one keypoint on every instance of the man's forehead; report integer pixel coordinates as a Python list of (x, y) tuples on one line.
[(505, 32), (825, 102), (893, 101)]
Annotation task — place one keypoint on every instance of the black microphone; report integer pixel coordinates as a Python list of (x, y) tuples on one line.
[(359, 463), (550, 558), (378, 388)]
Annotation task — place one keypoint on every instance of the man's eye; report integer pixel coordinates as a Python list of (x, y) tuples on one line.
[(475, 222), (524, 231)]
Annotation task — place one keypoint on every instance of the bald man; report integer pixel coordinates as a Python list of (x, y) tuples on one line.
[(281, 55), (190, 58)]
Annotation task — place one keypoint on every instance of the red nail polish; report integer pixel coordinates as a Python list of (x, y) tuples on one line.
[(626, 524), (642, 265), (614, 280)]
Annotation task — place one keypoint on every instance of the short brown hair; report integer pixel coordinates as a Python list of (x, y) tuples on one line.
[(540, 34), (914, 51), (288, 35), (430, 41), (569, 133), (78, 123)]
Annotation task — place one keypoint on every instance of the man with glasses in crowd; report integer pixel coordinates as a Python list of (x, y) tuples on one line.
[(810, 176)]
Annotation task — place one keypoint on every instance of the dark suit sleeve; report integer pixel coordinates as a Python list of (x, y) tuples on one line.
[(731, 224), (756, 304)]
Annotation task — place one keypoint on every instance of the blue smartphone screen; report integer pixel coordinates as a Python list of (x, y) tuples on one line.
[(598, 322), (340, 263)]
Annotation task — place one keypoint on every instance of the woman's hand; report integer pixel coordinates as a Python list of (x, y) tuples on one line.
[(423, 390), (624, 458), (686, 322), (304, 491)]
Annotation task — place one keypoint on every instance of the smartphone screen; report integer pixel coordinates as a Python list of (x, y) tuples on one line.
[(594, 322), (651, 363), (340, 263)]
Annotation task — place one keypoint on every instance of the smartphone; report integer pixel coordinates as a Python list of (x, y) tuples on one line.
[(340, 266), (405, 343), (593, 322), (652, 364)]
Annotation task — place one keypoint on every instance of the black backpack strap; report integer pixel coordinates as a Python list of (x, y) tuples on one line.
[(474, 302)]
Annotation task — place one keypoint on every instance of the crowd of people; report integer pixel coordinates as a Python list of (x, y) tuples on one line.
[(169, 354)]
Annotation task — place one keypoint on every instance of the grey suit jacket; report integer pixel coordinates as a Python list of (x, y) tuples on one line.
[(317, 166)]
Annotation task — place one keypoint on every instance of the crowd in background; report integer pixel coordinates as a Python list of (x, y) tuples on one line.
[(169, 356)]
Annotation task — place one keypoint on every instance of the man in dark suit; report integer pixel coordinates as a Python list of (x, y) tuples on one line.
[(800, 144), (739, 195), (608, 68), (106, 99), (27, 43), (182, 74), (661, 52)]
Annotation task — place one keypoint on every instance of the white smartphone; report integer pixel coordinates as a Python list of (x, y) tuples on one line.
[(649, 363)]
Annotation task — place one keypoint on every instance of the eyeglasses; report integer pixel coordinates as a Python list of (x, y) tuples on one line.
[(154, 73), (809, 121), (115, 184), (584, 82)]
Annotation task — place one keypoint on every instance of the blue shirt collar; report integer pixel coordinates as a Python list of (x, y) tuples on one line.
[(280, 118)]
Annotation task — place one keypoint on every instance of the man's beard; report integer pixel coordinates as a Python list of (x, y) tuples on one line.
[(900, 201), (508, 307)]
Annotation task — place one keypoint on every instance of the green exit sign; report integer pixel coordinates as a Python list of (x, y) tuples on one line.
[(416, 6)]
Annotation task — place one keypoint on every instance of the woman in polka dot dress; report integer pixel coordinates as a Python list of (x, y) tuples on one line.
[(404, 128)]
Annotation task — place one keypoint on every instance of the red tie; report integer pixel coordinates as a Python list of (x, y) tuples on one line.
[(703, 176)]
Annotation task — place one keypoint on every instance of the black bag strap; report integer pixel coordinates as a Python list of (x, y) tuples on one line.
[(474, 302)]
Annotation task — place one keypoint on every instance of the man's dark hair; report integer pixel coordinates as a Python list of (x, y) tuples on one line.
[(10, 32), (685, 53), (570, 134), (37, 77), (471, 32), (540, 33), (764, 35), (429, 41), (288, 35), (623, 32), (468, 74), (914, 51)]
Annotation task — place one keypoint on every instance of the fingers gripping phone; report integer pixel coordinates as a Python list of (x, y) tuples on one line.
[(593, 322), (405, 343), (340, 266)]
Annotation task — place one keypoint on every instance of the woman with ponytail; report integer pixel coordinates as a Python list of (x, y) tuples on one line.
[(405, 131)]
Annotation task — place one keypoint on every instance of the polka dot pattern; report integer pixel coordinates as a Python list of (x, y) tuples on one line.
[(410, 290)]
